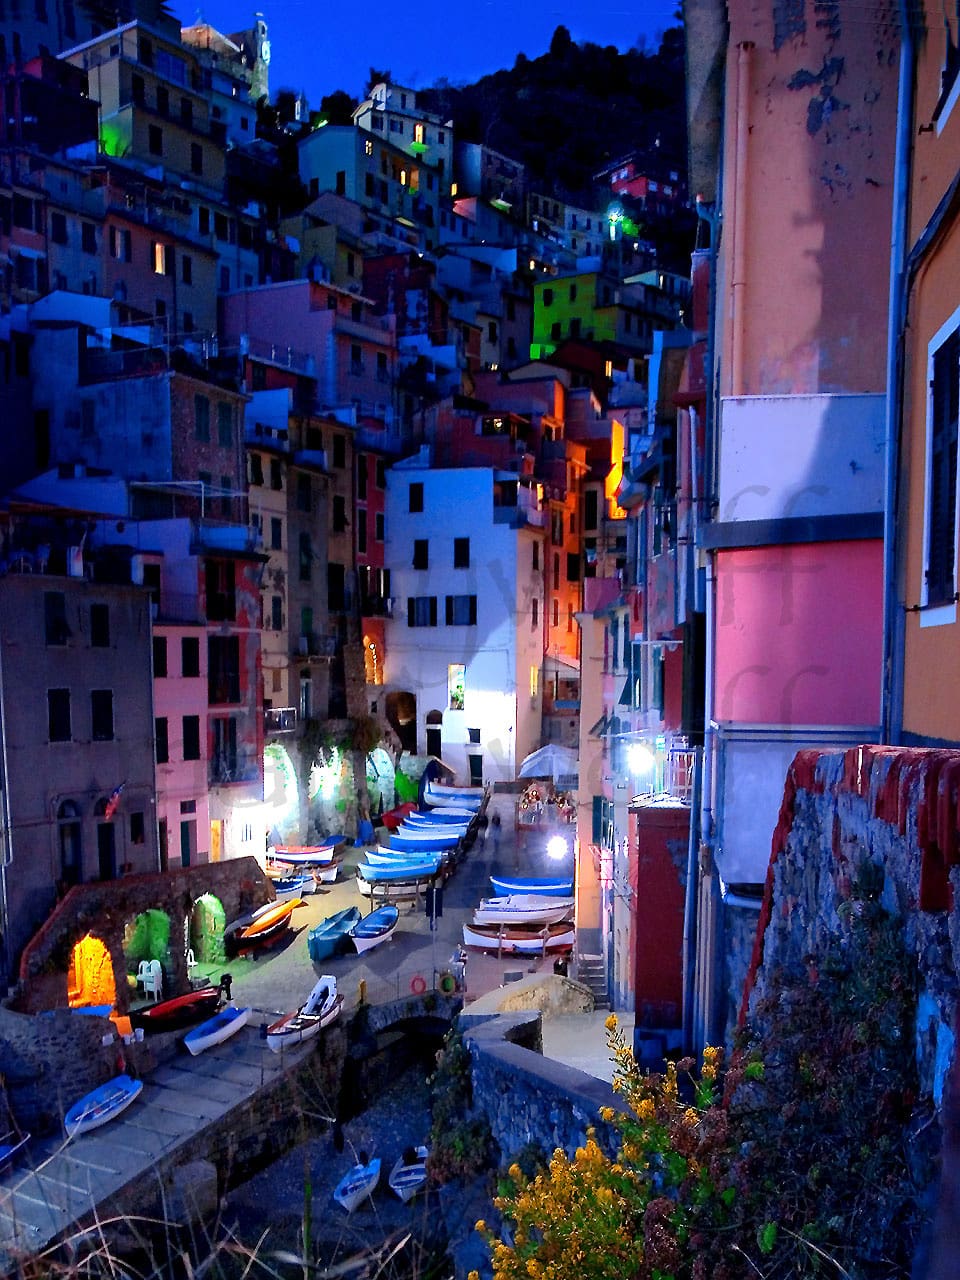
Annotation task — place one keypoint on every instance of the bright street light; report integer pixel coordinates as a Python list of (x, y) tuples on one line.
[(640, 759), (556, 847)]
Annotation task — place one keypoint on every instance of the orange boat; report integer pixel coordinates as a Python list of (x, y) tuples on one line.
[(265, 929)]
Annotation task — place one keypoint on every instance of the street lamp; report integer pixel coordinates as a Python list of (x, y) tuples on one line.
[(556, 848), (640, 759)]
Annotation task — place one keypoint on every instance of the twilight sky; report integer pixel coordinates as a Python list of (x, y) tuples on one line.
[(319, 48)]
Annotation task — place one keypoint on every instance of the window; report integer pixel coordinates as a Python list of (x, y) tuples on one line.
[(361, 461), (100, 626), (155, 140), (535, 614), (381, 474), (416, 496), (101, 715), (556, 572), (276, 474), (121, 244), (203, 220), (304, 493), (536, 556), (71, 848), (58, 715), (456, 679), (548, 297), (341, 181), (336, 588), (461, 611), (186, 268), (368, 147), (196, 158), (138, 830), (225, 760), (339, 451), (379, 526), (58, 228), (190, 656), (276, 533), (276, 615), (421, 553), (191, 737), (362, 530), (161, 739), (55, 617), (160, 656), (137, 88), (422, 611), (942, 482), (556, 613), (223, 669), (590, 499), (461, 553), (534, 681), (383, 372), (221, 591), (162, 259), (573, 567), (201, 417), (306, 557), (256, 468), (163, 100), (573, 293), (224, 424)]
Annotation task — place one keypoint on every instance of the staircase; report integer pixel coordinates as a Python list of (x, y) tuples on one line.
[(592, 972)]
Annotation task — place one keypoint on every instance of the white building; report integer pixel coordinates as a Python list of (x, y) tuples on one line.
[(465, 642)]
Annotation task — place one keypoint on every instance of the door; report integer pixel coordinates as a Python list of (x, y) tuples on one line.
[(187, 840), (433, 742), (163, 835), (106, 851)]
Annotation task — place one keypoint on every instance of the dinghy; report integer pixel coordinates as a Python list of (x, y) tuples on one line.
[(523, 908), (444, 816), (375, 928), (306, 855), (551, 886), (330, 936), (409, 1174), (413, 872), (266, 929), (530, 940), (215, 1030), (321, 1007), (178, 1011), (101, 1105), (359, 1183)]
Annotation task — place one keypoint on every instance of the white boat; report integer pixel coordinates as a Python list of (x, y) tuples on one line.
[(409, 1174), (215, 1030), (452, 793), (359, 1183), (375, 928), (526, 939), (447, 813), (381, 857), (321, 1007), (430, 829), (442, 798), (523, 908), (101, 1105)]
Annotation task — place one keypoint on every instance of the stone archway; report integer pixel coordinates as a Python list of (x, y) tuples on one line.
[(207, 921), (400, 709), (90, 978)]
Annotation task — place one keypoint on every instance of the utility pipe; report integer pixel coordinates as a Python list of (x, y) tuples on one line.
[(738, 287)]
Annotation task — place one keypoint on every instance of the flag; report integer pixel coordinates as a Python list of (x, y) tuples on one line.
[(113, 801)]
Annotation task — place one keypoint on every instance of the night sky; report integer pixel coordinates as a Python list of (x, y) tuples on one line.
[(318, 48)]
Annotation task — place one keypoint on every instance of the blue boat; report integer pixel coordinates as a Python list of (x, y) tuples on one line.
[(402, 873), (217, 1029), (550, 886), (101, 1104), (375, 928), (330, 936), (427, 843), (381, 857), (440, 817)]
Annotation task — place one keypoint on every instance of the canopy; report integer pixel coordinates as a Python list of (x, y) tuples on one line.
[(552, 761)]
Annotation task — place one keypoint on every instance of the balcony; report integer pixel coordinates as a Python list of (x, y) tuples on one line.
[(313, 645), (229, 769), (280, 720)]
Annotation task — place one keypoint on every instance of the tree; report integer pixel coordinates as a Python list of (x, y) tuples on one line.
[(337, 107)]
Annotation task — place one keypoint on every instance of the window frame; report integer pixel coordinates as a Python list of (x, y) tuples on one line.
[(939, 605)]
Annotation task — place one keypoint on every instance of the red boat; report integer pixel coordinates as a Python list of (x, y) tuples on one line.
[(393, 817), (178, 1011)]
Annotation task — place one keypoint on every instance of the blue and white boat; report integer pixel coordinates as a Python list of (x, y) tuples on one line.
[(295, 886), (462, 797), (448, 815), (101, 1104), (359, 1183), (215, 1030), (551, 886), (413, 842), (426, 868), (375, 928), (329, 937), (381, 857), (428, 829), (307, 855), (409, 1174)]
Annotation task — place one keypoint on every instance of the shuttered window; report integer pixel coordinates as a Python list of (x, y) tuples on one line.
[(941, 512)]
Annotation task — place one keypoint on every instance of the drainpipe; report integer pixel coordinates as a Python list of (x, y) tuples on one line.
[(891, 689), (738, 311)]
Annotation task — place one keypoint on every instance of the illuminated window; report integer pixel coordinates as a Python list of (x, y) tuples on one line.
[(453, 188), (456, 678), (162, 259), (418, 133), (403, 177), (368, 148), (534, 681)]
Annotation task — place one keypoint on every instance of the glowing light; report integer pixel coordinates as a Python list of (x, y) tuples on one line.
[(556, 847), (640, 759)]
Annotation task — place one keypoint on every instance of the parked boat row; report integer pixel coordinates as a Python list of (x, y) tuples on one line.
[(529, 915), (337, 933)]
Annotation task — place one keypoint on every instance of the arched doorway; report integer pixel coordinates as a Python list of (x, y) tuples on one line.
[(207, 921), (90, 979), (401, 713), (434, 732)]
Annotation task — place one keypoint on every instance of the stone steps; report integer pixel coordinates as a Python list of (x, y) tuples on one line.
[(592, 972)]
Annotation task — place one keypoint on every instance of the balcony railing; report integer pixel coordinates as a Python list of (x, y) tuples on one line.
[(280, 720)]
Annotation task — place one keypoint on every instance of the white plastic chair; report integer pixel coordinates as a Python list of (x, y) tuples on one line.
[(153, 980), (143, 971), (191, 961)]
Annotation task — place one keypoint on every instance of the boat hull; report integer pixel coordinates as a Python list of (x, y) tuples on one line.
[(306, 855), (267, 929), (295, 1028), (549, 886), (330, 936), (523, 909), (533, 941), (375, 928), (101, 1105), (178, 1011), (446, 815), (407, 1179), (215, 1030), (354, 1187), (403, 873)]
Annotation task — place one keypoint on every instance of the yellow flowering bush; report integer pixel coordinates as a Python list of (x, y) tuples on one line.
[(640, 1216)]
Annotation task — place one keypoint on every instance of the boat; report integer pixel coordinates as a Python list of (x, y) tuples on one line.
[(241, 922), (529, 939), (375, 928), (393, 817), (435, 802), (295, 886), (381, 857), (458, 794), (101, 1105), (409, 1174), (178, 1011), (320, 1008), (425, 868), (330, 936), (330, 872), (428, 830), (11, 1145), (306, 855), (428, 842), (523, 908), (448, 814), (227, 1022), (264, 931), (359, 1183), (550, 886)]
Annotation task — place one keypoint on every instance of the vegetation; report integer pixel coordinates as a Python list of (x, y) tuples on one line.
[(801, 1160), (461, 1145)]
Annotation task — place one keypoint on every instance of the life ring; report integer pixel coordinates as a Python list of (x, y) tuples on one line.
[(419, 985), (447, 983)]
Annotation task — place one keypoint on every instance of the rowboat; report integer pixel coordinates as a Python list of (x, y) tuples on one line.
[(241, 922), (550, 886), (295, 886), (178, 1011), (530, 939), (321, 1007), (381, 857), (409, 1174), (427, 830), (393, 817), (215, 1030), (439, 802), (359, 1183), (306, 855), (523, 908), (456, 794), (447, 816), (425, 868), (375, 928), (101, 1104), (428, 841), (330, 936), (264, 931)]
